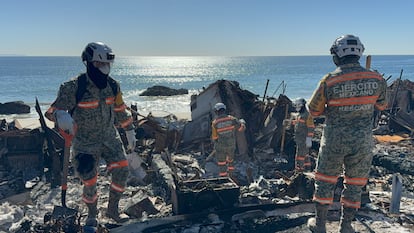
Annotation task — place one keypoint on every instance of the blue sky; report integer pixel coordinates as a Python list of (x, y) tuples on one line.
[(204, 27)]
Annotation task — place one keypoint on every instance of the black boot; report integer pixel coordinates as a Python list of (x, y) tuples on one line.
[(318, 224), (112, 211), (347, 216), (92, 219)]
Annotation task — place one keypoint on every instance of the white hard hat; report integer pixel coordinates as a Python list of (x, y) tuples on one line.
[(347, 45), (299, 101), (98, 51), (219, 106)]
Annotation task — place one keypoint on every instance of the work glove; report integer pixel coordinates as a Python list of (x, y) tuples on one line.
[(286, 123), (65, 121), (242, 125), (130, 135), (308, 142)]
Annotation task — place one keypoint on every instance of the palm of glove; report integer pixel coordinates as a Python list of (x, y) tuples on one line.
[(308, 142), (65, 121), (130, 135)]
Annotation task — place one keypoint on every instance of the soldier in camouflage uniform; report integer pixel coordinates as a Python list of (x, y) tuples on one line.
[(95, 117), (347, 98), (224, 137), (304, 127)]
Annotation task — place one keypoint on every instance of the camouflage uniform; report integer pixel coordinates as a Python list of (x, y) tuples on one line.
[(224, 136), (347, 98), (304, 127), (96, 135)]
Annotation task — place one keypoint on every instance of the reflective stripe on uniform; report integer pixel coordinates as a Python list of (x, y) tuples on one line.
[(119, 164), (221, 163), (90, 200), (381, 107), (315, 113), (225, 129), (223, 174), (355, 181), (51, 110), (321, 200), (110, 100), (300, 158), (89, 104), (126, 123), (90, 182), (117, 187), (352, 76), (328, 179), (222, 119), (351, 204), (120, 108), (353, 101)]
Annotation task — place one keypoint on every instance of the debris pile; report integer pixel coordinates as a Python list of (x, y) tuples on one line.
[(173, 184)]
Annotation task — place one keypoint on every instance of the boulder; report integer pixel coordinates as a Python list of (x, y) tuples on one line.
[(163, 91), (15, 107)]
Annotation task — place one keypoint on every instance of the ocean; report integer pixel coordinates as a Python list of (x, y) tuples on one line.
[(23, 78)]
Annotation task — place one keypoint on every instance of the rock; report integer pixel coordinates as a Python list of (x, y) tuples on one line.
[(15, 107), (163, 91)]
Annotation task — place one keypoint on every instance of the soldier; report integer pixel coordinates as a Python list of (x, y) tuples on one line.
[(94, 100), (347, 98), (224, 137), (304, 127)]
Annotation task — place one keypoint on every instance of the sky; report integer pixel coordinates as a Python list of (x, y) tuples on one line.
[(204, 27)]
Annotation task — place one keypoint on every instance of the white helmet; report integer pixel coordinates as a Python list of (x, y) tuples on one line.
[(98, 51), (219, 106), (299, 103), (347, 45)]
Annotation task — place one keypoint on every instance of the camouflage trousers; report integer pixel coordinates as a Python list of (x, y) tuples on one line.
[(225, 158), (86, 167), (347, 156), (302, 159)]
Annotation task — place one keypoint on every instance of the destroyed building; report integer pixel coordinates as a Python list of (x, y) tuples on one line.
[(174, 194)]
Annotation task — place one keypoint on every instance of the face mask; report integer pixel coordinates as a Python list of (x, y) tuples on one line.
[(96, 75), (105, 69)]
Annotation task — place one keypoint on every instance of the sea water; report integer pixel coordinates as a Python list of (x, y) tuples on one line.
[(25, 78)]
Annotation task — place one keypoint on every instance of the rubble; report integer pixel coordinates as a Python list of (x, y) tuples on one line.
[(173, 184)]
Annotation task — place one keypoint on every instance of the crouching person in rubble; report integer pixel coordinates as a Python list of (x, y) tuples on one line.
[(95, 134), (347, 97), (223, 135)]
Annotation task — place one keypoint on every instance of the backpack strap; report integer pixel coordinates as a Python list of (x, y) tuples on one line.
[(114, 85), (81, 88)]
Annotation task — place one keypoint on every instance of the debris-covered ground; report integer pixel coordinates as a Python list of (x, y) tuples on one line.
[(174, 187)]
